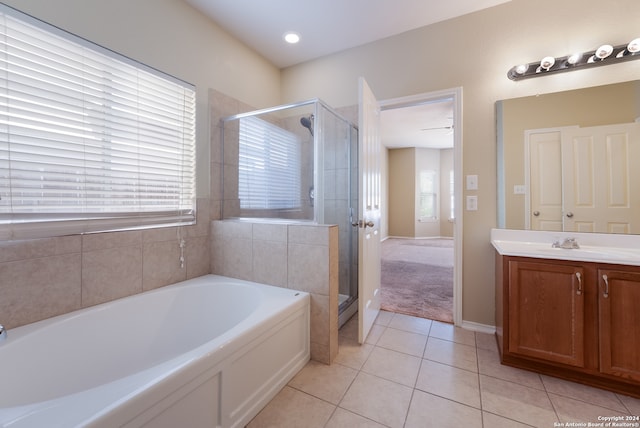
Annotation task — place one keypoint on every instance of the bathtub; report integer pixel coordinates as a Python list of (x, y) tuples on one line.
[(205, 352)]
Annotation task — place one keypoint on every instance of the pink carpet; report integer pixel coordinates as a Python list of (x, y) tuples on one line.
[(417, 278)]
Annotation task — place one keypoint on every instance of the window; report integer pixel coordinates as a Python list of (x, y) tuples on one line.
[(269, 168), (89, 140), (428, 195)]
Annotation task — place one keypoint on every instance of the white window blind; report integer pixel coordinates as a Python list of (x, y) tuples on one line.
[(269, 166), (428, 195), (89, 140)]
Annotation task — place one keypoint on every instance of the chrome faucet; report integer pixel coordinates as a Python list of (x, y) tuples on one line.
[(568, 243), (3, 333)]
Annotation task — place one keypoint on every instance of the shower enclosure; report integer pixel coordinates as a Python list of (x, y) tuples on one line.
[(296, 162)]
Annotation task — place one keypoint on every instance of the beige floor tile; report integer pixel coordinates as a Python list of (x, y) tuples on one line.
[(486, 341), (350, 329), (451, 353), (449, 382), (342, 418), (527, 405), (489, 364), (598, 397), (293, 409), (412, 324), (393, 366), (427, 410), (384, 318), (351, 353), (452, 333), (632, 404), (576, 411), (403, 341), (326, 382), (494, 421), (378, 399), (375, 333)]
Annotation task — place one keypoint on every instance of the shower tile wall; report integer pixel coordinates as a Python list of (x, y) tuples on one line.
[(42, 278)]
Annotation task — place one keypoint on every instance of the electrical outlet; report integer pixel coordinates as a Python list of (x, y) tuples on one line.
[(519, 189)]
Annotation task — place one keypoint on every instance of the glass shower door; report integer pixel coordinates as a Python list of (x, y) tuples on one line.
[(337, 145)]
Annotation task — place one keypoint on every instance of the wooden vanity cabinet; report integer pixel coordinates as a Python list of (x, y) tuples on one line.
[(619, 322), (575, 320), (547, 311)]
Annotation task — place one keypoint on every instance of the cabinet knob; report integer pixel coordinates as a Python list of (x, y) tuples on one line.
[(569, 214), (536, 213)]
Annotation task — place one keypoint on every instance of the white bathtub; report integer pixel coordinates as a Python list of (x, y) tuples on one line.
[(210, 351)]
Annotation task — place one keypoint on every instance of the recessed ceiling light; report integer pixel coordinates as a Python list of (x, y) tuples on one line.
[(291, 37)]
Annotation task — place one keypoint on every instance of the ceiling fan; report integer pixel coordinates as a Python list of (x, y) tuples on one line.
[(450, 127)]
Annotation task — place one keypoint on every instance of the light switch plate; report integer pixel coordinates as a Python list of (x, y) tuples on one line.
[(472, 203), (472, 182)]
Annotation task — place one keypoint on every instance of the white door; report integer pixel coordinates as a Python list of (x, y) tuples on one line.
[(544, 180), (600, 183), (369, 158)]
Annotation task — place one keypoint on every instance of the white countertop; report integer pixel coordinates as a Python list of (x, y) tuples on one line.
[(594, 247)]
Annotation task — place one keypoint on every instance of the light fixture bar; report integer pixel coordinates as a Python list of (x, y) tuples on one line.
[(604, 55)]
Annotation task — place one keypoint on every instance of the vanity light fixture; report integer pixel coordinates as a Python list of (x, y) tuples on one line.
[(605, 54)]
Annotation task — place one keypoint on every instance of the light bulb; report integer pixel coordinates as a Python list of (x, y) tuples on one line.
[(603, 51), (522, 68), (573, 59), (634, 46), (547, 62)]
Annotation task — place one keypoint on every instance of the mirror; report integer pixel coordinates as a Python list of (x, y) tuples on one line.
[(587, 108)]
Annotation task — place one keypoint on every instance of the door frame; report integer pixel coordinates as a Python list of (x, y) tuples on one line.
[(456, 95)]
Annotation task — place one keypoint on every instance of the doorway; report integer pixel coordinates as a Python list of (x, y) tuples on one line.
[(449, 126)]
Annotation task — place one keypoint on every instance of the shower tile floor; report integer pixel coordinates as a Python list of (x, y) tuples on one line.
[(414, 372)]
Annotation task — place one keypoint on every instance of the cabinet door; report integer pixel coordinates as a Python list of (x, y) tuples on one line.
[(546, 311), (619, 313)]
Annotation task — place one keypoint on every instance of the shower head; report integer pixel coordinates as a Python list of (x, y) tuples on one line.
[(307, 122)]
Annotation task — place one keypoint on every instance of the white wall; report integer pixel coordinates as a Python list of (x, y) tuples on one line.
[(474, 52)]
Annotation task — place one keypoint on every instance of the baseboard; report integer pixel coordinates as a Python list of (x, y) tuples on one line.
[(415, 238), (480, 328)]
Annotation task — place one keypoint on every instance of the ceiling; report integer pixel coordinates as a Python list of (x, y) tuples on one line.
[(329, 26), (427, 125)]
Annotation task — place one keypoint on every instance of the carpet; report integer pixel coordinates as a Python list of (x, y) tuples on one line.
[(417, 278)]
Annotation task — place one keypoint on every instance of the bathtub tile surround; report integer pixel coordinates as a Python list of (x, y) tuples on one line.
[(112, 273), (38, 283), (42, 278), (297, 256), (222, 105), (378, 384)]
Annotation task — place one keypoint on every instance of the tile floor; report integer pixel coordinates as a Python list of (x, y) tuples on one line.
[(414, 372)]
